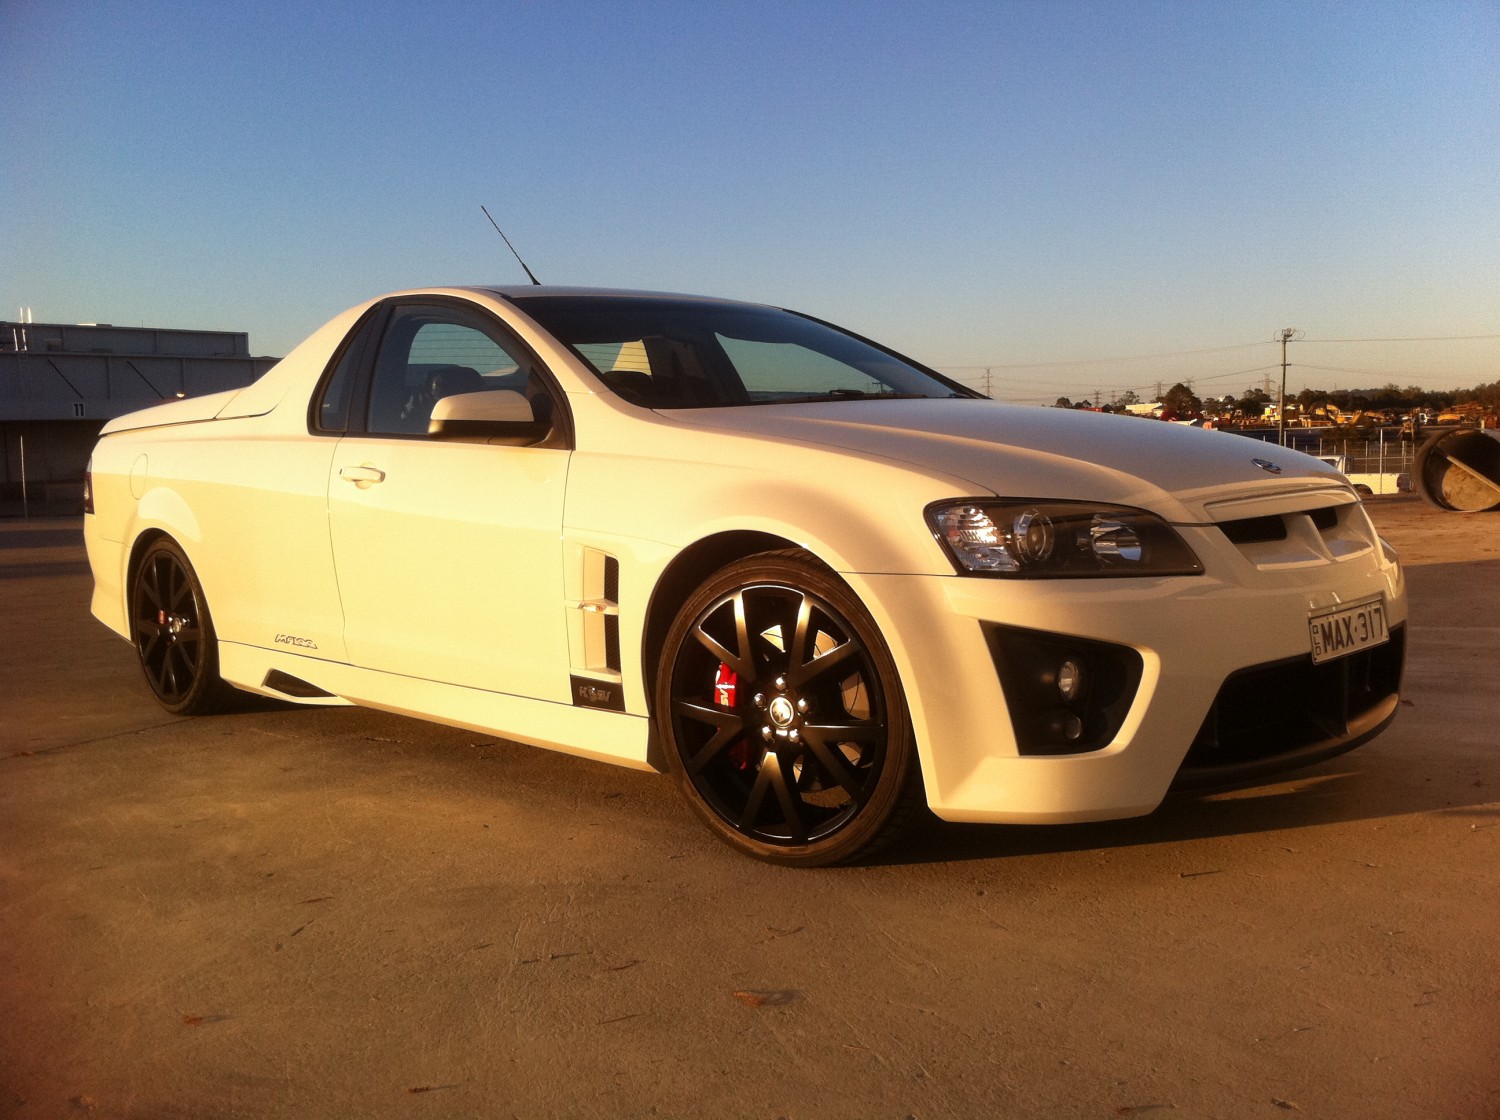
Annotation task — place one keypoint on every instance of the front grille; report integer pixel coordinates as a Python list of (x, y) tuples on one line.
[(1328, 534), (1292, 713), (1255, 530)]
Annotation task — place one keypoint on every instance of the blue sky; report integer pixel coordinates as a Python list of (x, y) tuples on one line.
[(1077, 196)]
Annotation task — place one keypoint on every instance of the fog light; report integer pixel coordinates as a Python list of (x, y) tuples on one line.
[(1061, 727), (1064, 694), (1070, 679)]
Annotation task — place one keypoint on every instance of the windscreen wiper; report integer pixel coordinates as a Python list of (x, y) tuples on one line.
[(846, 395)]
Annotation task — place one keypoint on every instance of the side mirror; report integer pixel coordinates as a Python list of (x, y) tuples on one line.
[(502, 414)]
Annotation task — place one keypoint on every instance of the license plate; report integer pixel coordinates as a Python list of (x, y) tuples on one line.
[(1344, 630)]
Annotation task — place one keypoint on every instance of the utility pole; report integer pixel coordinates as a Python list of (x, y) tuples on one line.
[(1287, 335)]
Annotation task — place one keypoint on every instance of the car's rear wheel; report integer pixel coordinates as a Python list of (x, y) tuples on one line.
[(174, 634), (783, 717)]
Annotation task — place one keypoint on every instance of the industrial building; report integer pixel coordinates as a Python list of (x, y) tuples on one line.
[(60, 382)]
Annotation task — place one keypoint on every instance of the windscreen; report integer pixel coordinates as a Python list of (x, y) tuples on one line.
[(678, 353)]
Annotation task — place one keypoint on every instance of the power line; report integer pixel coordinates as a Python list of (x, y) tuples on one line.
[(1235, 373), (1430, 375), (1211, 350), (1055, 385), (1430, 338), (1105, 361), (1070, 377)]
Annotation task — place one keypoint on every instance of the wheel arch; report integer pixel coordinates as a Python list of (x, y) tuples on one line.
[(684, 575), (143, 541), (161, 512), (164, 508)]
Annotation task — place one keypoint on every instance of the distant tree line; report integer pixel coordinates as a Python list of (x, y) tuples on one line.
[(1181, 400)]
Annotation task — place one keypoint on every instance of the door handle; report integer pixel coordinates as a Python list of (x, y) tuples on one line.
[(363, 477)]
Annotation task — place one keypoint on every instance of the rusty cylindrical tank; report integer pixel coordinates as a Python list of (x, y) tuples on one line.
[(1460, 470)]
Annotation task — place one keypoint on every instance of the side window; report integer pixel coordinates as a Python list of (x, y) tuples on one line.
[(331, 413), (429, 353)]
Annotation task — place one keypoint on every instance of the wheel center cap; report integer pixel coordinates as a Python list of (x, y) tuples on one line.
[(783, 714)]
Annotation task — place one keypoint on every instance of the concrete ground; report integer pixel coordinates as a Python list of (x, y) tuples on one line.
[(336, 913)]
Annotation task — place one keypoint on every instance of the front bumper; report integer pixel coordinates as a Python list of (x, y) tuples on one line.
[(1213, 649), (1293, 713)]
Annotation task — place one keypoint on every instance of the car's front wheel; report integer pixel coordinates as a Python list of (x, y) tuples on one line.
[(174, 634), (783, 717)]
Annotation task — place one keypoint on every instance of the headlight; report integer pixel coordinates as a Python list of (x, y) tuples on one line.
[(1058, 540)]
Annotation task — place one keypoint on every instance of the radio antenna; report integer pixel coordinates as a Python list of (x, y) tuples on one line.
[(509, 246)]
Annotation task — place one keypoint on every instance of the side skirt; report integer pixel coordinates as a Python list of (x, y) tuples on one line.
[(605, 736)]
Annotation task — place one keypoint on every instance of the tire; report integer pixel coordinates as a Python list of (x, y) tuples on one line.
[(173, 633), (783, 718)]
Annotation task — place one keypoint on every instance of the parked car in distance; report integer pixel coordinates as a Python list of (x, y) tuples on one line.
[(816, 582)]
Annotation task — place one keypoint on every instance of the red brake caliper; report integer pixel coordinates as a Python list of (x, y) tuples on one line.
[(726, 695), (726, 686)]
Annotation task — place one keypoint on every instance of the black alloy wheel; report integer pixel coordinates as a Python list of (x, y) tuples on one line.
[(174, 634), (783, 717)]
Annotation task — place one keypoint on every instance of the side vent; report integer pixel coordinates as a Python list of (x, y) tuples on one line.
[(612, 621), (612, 579), (594, 638)]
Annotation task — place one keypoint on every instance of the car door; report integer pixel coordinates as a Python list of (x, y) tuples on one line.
[(448, 552)]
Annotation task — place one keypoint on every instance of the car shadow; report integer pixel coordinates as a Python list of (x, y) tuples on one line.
[(1404, 774), (1342, 791), (244, 703)]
